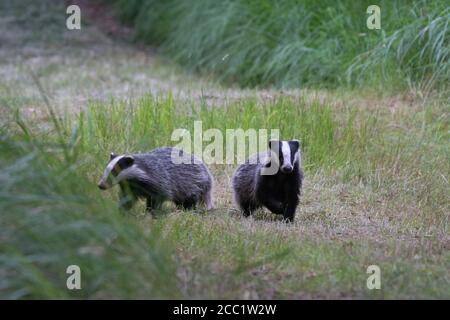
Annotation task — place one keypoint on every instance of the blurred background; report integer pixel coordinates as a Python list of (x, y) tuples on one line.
[(295, 44)]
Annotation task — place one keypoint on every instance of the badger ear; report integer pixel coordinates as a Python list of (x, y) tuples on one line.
[(273, 143), (295, 144), (127, 161), (112, 156)]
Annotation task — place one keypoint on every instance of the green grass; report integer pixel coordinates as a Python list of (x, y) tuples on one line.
[(392, 175), (149, 122), (53, 217), (292, 44), (377, 168)]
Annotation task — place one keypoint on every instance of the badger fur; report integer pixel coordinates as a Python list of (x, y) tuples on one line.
[(155, 177), (279, 192)]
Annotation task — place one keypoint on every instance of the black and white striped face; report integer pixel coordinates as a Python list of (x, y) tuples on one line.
[(112, 171), (288, 153)]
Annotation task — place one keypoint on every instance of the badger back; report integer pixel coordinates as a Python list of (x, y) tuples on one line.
[(175, 179)]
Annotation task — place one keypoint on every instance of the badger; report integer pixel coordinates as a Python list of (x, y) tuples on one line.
[(272, 179), (155, 177)]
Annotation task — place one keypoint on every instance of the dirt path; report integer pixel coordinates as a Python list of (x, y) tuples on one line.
[(79, 65), (96, 63)]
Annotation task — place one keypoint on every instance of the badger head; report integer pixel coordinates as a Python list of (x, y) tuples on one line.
[(286, 154), (115, 166)]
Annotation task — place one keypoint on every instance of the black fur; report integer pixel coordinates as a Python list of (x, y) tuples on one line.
[(279, 192)]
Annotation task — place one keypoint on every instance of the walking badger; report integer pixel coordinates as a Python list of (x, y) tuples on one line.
[(272, 179), (154, 176)]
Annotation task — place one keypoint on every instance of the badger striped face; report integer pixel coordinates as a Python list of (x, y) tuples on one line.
[(115, 166), (288, 153)]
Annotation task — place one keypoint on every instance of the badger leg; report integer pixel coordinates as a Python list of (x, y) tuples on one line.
[(273, 205), (126, 200), (208, 200), (289, 215), (152, 204), (247, 208), (126, 203), (149, 204), (247, 211), (290, 207), (188, 205)]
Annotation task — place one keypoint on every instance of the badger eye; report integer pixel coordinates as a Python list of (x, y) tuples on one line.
[(116, 170)]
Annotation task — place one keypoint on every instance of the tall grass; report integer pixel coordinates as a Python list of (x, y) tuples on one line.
[(149, 122), (53, 217), (291, 44)]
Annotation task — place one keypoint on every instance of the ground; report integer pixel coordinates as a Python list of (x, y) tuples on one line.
[(343, 224)]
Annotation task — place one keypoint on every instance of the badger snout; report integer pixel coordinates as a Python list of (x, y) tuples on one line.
[(287, 168), (102, 186)]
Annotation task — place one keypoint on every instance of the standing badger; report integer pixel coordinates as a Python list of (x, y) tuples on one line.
[(272, 179), (155, 177)]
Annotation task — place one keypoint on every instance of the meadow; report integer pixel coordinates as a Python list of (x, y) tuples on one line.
[(377, 169), (373, 195)]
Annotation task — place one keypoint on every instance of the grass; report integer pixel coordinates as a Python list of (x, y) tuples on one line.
[(37, 42), (52, 218), (292, 44), (373, 195), (377, 168)]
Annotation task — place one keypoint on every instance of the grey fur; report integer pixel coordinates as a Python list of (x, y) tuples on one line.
[(156, 178), (245, 180)]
